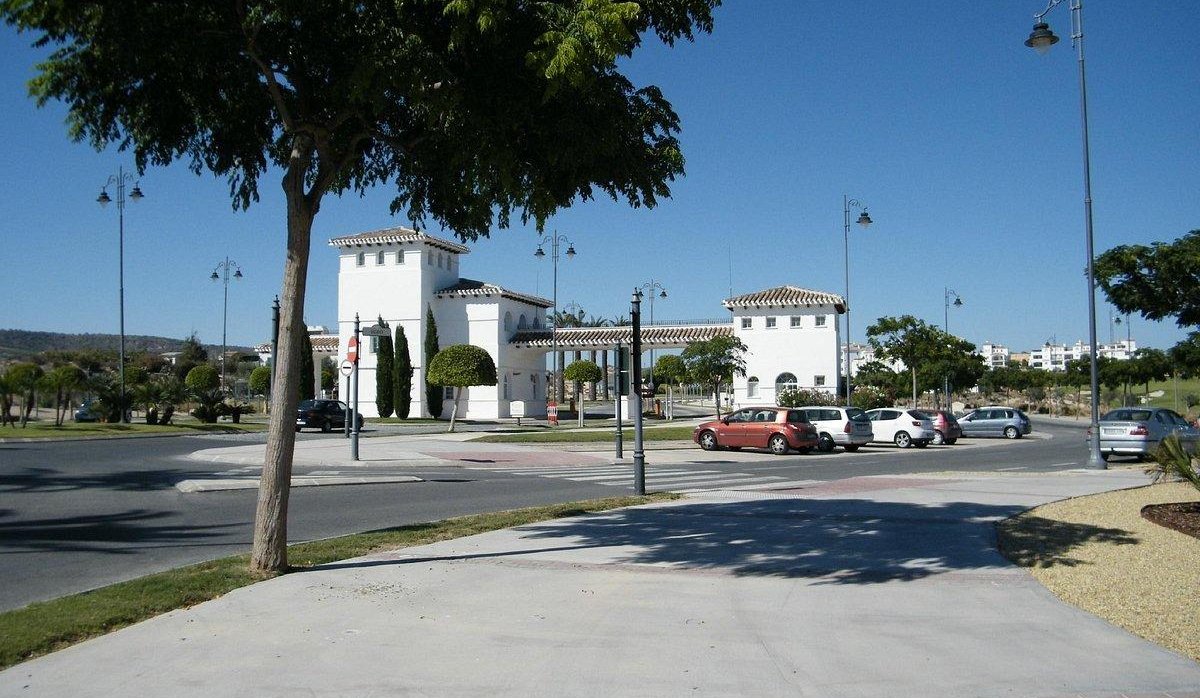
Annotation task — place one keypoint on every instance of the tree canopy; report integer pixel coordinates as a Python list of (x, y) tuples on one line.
[(461, 366), (473, 110), (1158, 281), (715, 361)]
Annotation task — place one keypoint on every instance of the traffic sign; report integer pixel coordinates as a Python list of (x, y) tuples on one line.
[(347, 367), (352, 352)]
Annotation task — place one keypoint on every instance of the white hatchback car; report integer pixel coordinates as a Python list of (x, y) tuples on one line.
[(902, 427), (847, 427)]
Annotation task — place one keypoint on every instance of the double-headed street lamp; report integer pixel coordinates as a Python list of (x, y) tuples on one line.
[(221, 273), (119, 179), (554, 242), (650, 287), (1040, 40), (864, 220)]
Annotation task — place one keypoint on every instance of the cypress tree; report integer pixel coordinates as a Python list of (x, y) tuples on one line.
[(308, 370), (402, 375), (383, 374), (433, 393)]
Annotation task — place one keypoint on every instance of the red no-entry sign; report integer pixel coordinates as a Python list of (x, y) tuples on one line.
[(352, 352)]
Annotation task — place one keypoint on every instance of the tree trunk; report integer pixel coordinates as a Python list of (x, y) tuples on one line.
[(914, 377), (454, 410), (269, 553), (579, 414), (604, 371)]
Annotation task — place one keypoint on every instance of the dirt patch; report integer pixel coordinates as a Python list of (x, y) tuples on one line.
[(1177, 516), (1098, 553)]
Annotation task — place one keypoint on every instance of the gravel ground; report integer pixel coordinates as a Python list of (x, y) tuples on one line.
[(1099, 554)]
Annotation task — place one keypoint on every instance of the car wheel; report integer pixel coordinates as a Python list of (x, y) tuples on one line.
[(850, 449), (778, 445), (951, 442), (1104, 457), (938, 438), (903, 440), (825, 443), (1011, 433), (708, 441), (326, 427)]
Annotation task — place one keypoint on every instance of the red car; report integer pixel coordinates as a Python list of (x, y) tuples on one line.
[(778, 429), (945, 427)]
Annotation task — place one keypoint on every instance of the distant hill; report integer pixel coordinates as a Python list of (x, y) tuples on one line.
[(21, 344)]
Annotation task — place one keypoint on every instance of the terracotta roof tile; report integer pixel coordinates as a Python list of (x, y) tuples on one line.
[(471, 287), (589, 337), (786, 296), (397, 234)]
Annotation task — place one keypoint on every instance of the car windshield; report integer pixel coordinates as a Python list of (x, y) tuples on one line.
[(857, 415), (307, 405), (1127, 416)]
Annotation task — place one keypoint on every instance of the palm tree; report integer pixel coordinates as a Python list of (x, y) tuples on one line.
[(147, 396), (63, 381)]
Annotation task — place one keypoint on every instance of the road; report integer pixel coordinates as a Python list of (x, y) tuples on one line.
[(80, 514)]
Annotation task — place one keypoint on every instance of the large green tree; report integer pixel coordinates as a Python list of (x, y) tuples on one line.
[(715, 361), (402, 371), (906, 339), (384, 365), (1158, 281), (433, 391), (580, 372), (473, 109), (461, 366)]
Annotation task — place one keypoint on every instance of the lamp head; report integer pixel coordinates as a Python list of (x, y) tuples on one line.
[(103, 199), (864, 220), (237, 274), (957, 302), (215, 277), (540, 253), (136, 194), (663, 294), (1041, 38), (570, 251)]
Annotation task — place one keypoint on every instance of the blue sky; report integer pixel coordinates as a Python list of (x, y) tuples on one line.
[(964, 144)]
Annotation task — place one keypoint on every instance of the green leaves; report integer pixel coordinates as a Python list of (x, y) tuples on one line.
[(461, 366), (1158, 281)]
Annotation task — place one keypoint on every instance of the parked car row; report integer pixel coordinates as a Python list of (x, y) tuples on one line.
[(1138, 431), (824, 428)]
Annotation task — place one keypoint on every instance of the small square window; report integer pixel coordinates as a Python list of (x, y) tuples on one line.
[(795, 321), (820, 321), (362, 259), (819, 381), (447, 392), (770, 322), (429, 259), (439, 260), (400, 257), (374, 345), (746, 323), (380, 258)]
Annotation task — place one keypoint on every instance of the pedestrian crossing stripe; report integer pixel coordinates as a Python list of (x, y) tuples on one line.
[(661, 479)]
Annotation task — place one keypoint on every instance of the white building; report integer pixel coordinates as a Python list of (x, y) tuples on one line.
[(994, 355), (399, 274), (1054, 357), (792, 341)]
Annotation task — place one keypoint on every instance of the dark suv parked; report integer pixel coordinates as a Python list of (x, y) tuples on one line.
[(325, 415)]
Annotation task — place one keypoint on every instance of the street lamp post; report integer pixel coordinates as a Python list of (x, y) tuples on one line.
[(864, 220), (119, 179), (650, 287), (1041, 39), (635, 392), (947, 292), (221, 273), (554, 242)]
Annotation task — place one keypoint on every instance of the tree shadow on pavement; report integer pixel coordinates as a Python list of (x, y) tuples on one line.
[(97, 533), (1034, 541), (835, 541), (53, 480)]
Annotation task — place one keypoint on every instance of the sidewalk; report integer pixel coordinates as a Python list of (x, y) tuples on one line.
[(869, 586)]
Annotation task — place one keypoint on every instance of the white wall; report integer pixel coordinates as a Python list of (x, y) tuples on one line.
[(807, 351)]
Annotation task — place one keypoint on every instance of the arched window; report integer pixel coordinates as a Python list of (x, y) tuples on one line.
[(785, 381), (537, 322), (522, 323), (752, 387), (507, 390), (508, 322)]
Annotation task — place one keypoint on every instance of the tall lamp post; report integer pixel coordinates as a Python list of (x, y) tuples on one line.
[(947, 292), (650, 287), (1040, 40), (221, 273), (555, 241), (864, 220), (119, 179)]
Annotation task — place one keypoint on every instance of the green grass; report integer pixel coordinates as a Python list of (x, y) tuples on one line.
[(92, 430), (1190, 386), (47, 626), (569, 436)]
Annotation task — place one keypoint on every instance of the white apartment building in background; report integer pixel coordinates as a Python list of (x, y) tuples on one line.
[(1054, 357), (994, 355)]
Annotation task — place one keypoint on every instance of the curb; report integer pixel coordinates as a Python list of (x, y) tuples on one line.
[(194, 486)]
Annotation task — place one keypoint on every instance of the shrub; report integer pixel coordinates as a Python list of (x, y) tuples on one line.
[(202, 378), (869, 397), (260, 380), (802, 397)]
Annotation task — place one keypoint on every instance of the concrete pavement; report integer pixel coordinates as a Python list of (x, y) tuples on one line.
[(868, 586)]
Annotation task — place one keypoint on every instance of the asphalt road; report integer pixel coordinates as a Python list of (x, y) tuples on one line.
[(75, 515)]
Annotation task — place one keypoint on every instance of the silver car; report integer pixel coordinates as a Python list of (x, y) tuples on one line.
[(848, 427), (1137, 431), (1008, 422)]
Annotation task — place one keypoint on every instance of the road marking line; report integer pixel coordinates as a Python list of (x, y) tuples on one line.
[(1055, 465), (1019, 467)]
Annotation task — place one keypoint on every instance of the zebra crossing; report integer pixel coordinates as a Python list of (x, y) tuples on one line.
[(658, 478)]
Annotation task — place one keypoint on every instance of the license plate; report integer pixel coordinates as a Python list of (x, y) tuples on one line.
[(1113, 431)]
